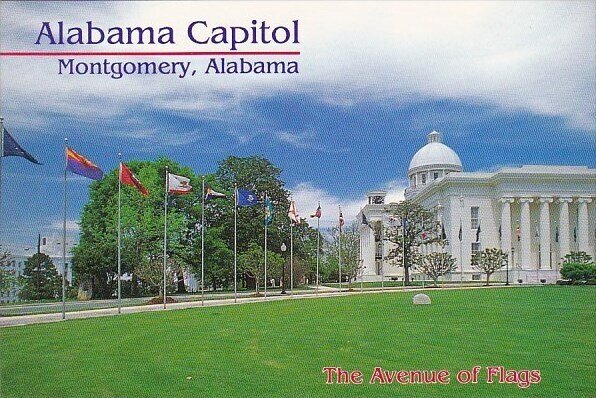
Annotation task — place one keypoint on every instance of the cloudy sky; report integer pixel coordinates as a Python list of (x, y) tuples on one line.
[(507, 83)]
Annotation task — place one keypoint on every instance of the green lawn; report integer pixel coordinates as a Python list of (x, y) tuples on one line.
[(278, 349)]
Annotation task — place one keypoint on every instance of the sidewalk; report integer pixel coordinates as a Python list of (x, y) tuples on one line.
[(329, 292)]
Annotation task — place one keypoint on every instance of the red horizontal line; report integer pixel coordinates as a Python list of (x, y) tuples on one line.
[(138, 53)]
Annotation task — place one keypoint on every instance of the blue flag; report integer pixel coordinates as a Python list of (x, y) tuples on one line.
[(246, 198), (12, 148)]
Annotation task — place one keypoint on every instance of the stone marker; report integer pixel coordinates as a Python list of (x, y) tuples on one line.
[(421, 299)]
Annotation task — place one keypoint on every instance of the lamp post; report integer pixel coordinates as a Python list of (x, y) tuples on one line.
[(283, 270)]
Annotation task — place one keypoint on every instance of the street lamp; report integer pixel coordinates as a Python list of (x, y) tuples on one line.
[(283, 270)]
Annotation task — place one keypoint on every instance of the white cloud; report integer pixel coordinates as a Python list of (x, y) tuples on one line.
[(538, 57), (308, 196)]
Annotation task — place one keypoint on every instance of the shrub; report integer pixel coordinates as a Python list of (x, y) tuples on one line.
[(576, 272)]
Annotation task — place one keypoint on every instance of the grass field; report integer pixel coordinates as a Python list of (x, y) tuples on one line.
[(278, 349)]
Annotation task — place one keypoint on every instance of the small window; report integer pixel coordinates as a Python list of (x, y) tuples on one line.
[(43, 241), (474, 217), (476, 277), (413, 181), (423, 175), (435, 175), (475, 248)]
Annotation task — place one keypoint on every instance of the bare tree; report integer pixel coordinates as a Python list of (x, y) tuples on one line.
[(436, 264), (488, 261)]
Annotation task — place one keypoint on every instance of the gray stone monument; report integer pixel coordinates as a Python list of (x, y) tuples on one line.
[(421, 298)]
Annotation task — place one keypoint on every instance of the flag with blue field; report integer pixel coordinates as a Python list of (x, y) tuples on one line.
[(80, 165)]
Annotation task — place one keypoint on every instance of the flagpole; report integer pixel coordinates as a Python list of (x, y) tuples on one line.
[(203, 242), (165, 237), (291, 259), (265, 247), (1, 156), (318, 250), (404, 221), (64, 238), (119, 230), (339, 252), (235, 243), (382, 251)]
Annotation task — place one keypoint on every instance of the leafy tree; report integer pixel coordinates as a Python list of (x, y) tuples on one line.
[(40, 279), (488, 261), (436, 264), (578, 266), (418, 227), (8, 279), (95, 257), (350, 252), (252, 264), (578, 258)]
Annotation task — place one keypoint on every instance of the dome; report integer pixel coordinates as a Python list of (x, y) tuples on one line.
[(435, 154)]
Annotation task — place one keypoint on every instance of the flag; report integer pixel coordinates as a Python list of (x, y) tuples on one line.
[(268, 211), (557, 234), (478, 233), (500, 232), (341, 219), (460, 232), (178, 185), (211, 194), (12, 148), (364, 219), (317, 212), (575, 234), (128, 178), (245, 198), (80, 165), (443, 234), (293, 213)]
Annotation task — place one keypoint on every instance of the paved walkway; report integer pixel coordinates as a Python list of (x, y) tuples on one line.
[(57, 317)]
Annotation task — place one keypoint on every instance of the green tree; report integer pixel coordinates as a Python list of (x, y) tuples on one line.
[(350, 252), (579, 267), (411, 226), (95, 257), (40, 279), (488, 261), (252, 263), (436, 264), (8, 279)]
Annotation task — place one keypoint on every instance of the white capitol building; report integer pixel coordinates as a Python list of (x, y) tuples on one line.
[(537, 214)]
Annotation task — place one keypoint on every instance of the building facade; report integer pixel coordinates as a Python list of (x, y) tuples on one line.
[(536, 214)]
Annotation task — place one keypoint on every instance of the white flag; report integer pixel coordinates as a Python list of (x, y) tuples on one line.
[(178, 185), (293, 213)]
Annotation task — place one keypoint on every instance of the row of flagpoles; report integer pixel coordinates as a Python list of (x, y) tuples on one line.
[(174, 185)]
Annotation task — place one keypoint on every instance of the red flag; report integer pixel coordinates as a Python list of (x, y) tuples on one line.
[(128, 178), (317, 213)]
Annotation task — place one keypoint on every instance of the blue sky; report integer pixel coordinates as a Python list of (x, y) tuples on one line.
[(504, 83)]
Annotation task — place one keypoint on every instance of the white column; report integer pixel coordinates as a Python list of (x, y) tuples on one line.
[(545, 233), (506, 227), (564, 227), (526, 233), (583, 226)]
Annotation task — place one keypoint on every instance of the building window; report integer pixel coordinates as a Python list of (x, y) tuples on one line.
[(423, 176), (413, 181), (43, 241), (474, 217), (476, 277), (435, 175), (475, 249)]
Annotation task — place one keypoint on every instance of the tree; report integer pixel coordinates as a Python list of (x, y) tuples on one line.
[(8, 279), (579, 267), (410, 226), (577, 258), (252, 264), (488, 261), (350, 252), (95, 257), (40, 279), (436, 264)]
